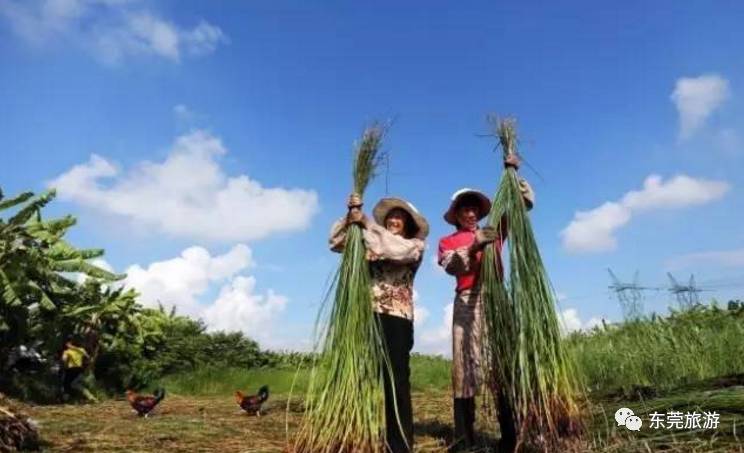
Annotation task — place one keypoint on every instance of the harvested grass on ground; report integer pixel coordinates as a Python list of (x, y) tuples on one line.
[(190, 423), (17, 431)]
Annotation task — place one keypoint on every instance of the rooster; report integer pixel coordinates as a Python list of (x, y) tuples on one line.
[(144, 404), (252, 403)]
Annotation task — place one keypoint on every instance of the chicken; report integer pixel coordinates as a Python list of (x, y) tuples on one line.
[(144, 404), (252, 403)]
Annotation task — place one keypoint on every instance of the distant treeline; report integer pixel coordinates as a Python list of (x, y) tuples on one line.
[(50, 293)]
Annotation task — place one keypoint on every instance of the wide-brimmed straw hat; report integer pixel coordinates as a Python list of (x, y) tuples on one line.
[(384, 206), (484, 204)]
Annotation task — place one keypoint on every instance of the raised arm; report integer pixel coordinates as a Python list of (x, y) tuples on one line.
[(455, 261), (463, 260), (384, 245), (528, 195), (337, 237)]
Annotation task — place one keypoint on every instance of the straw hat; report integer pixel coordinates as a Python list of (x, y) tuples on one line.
[(384, 206), (484, 204)]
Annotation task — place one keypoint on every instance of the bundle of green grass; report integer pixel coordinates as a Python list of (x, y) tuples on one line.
[(344, 406), (528, 366)]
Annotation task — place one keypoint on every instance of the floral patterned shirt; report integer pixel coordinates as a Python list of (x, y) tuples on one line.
[(393, 262)]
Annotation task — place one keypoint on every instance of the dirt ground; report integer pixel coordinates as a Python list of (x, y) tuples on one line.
[(201, 424), (215, 424)]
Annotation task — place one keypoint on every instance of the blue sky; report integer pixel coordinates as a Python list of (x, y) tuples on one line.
[(223, 137)]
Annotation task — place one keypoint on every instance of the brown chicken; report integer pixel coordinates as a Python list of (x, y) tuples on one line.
[(252, 403), (144, 404)]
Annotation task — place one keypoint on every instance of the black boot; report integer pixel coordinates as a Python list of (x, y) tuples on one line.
[(464, 418), (470, 421), (508, 441)]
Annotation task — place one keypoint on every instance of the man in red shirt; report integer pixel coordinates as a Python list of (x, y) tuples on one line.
[(460, 255)]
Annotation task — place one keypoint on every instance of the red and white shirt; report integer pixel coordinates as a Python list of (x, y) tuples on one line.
[(456, 258)]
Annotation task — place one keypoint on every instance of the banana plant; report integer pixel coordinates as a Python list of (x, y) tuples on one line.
[(37, 268), (103, 316)]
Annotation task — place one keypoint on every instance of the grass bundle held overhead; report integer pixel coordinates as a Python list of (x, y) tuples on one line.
[(345, 409), (528, 365)]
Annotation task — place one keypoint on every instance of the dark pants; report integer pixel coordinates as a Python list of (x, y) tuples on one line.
[(508, 440), (398, 337), (69, 375)]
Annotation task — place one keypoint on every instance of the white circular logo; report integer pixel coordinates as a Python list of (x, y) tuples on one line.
[(633, 423), (622, 415)]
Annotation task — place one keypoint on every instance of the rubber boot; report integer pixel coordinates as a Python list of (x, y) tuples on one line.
[(464, 418), (508, 442), (470, 421)]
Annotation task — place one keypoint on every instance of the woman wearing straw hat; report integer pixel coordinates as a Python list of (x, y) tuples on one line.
[(395, 248), (460, 254)]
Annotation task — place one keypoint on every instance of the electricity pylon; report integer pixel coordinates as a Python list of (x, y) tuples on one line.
[(629, 295)]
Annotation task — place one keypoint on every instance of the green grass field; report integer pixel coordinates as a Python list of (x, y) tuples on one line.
[(687, 362), (211, 421)]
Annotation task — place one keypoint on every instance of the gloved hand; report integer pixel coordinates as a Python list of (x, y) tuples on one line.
[(355, 201), (355, 214), (528, 195), (485, 236), (512, 160)]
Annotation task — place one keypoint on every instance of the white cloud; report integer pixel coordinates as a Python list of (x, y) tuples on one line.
[(98, 262), (571, 322), (111, 29), (238, 308), (145, 34), (188, 195), (184, 114), (203, 39), (434, 261), (158, 35), (678, 192), (181, 110), (437, 340), (724, 258), (594, 230), (592, 323), (696, 99), (38, 21), (181, 281), (420, 313), (187, 280)]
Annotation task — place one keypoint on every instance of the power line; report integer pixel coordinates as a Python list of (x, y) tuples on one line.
[(629, 296)]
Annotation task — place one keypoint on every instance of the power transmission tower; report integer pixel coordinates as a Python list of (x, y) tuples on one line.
[(688, 296), (629, 295)]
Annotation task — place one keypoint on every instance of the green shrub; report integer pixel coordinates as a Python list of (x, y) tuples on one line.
[(663, 352)]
